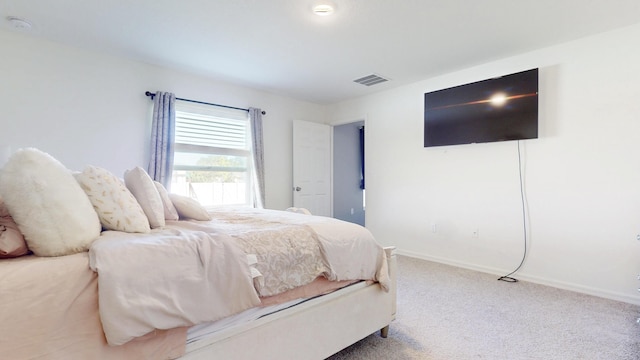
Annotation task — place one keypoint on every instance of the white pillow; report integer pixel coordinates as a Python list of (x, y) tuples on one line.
[(141, 186), (299, 210), (189, 208), (117, 208), (170, 212), (51, 210)]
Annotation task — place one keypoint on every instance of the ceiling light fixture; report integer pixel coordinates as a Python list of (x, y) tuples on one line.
[(324, 9), (18, 23)]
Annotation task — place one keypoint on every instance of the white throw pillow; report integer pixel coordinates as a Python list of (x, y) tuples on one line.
[(189, 208), (141, 186), (117, 208), (51, 210), (170, 212)]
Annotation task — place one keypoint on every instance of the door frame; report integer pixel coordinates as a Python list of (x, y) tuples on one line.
[(333, 124)]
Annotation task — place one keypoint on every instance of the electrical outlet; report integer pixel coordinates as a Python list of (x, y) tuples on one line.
[(434, 228), (475, 233)]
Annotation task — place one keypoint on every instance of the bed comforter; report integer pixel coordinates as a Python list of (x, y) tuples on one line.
[(166, 279), (192, 272)]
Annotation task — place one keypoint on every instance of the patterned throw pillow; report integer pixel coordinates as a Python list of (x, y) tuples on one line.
[(117, 208)]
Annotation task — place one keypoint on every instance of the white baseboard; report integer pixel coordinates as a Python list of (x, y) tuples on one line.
[(523, 276)]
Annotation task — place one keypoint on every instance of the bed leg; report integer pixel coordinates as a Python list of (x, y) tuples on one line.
[(384, 332)]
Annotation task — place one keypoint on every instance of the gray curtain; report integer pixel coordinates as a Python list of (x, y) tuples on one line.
[(162, 137), (255, 116)]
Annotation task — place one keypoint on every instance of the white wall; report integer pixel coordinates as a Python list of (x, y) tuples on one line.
[(87, 108), (582, 175)]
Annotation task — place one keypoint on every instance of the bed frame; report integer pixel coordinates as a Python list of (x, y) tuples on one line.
[(315, 329)]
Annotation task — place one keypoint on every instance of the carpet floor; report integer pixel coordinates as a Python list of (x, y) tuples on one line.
[(447, 313)]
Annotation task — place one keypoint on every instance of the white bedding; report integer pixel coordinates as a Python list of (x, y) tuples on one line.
[(293, 249), (194, 271), (350, 249), (167, 279)]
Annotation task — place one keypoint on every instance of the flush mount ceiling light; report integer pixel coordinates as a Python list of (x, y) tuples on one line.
[(324, 9), (18, 23)]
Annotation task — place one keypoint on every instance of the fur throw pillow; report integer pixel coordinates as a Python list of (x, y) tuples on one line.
[(45, 200)]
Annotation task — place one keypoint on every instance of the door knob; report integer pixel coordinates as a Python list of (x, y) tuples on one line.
[(298, 188)]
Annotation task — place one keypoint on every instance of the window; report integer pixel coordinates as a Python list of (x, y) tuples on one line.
[(212, 155)]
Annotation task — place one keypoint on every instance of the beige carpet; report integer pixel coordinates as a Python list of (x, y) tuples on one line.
[(447, 313)]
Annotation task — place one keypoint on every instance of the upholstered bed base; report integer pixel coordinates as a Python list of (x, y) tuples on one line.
[(315, 329)]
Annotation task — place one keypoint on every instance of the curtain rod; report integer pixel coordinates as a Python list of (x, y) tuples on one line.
[(152, 95)]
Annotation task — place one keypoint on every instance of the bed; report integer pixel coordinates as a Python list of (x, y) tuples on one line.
[(238, 284), (69, 324), (121, 269)]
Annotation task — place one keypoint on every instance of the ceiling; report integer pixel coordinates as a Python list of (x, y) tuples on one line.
[(280, 46)]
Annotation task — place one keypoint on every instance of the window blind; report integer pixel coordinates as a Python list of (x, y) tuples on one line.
[(211, 131)]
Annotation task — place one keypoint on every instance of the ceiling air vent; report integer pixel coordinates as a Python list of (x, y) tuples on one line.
[(370, 80)]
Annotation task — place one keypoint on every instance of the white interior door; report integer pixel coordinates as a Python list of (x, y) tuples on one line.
[(312, 167)]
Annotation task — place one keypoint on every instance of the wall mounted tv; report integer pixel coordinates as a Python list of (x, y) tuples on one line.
[(498, 109)]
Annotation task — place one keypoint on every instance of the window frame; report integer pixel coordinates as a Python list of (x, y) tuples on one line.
[(210, 112)]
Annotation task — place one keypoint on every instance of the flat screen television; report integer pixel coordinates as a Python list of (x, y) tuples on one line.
[(498, 109)]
